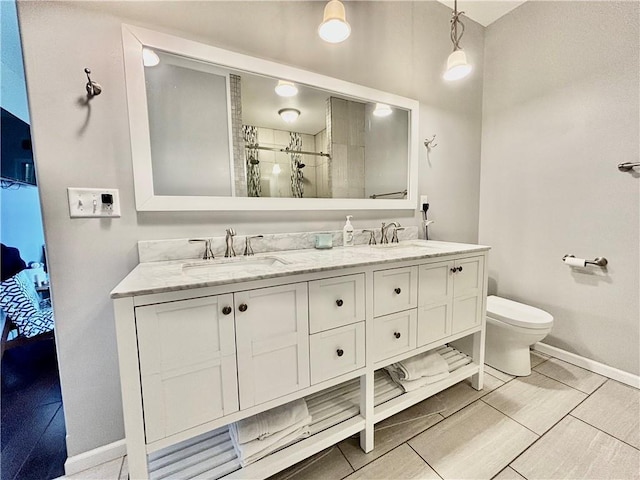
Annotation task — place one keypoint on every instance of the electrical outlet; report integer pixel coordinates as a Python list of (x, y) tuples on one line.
[(423, 200), (93, 202)]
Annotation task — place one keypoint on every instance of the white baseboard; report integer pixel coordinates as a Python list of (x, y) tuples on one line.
[(591, 365), (95, 457)]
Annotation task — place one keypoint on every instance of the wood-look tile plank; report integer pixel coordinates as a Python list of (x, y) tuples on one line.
[(576, 377), (462, 394), (46, 459), (329, 464), (573, 449), (124, 470), (401, 462), (105, 471), (508, 474), (614, 409), (536, 401), (27, 435), (504, 377), (393, 431), (537, 358), (476, 442)]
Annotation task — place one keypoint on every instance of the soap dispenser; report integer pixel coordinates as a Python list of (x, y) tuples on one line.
[(347, 233)]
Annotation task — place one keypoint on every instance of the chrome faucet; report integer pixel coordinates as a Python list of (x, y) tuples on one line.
[(383, 231), (230, 251), (372, 238), (247, 244), (394, 237), (208, 253)]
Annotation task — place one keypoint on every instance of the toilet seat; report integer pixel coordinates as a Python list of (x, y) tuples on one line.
[(517, 314)]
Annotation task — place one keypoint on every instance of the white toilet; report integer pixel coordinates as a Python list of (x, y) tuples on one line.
[(512, 328)]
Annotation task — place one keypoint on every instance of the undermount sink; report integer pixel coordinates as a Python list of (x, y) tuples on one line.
[(234, 263)]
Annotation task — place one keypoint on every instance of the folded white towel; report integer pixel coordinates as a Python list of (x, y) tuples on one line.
[(423, 365), (410, 385), (267, 423), (256, 449)]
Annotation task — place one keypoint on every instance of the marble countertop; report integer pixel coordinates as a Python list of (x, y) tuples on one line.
[(167, 276)]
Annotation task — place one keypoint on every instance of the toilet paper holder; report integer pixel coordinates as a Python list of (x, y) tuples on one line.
[(598, 261)]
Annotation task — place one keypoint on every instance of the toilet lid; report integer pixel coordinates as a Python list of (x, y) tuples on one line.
[(517, 314)]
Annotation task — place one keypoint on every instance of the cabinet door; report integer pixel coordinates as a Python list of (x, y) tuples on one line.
[(467, 293), (273, 342), (334, 302), (336, 352), (394, 334), (394, 290), (187, 364), (435, 295)]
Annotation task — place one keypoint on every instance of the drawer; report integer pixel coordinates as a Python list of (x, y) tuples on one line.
[(334, 302), (395, 290), (394, 334), (336, 352)]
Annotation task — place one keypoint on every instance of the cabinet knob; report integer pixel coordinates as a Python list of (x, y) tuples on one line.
[(340, 352), (459, 269), (397, 290), (226, 310), (397, 334), (339, 302), (243, 307), (453, 269)]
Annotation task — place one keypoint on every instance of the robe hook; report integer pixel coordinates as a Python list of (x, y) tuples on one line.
[(93, 88), (429, 143)]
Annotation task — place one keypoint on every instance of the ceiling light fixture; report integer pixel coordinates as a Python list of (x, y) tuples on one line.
[(334, 27), (286, 89), (149, 58), (276, 169), (382, 110), (457, 66), (289, 115)]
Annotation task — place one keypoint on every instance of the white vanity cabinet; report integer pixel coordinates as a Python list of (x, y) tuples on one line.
[(187, 363), (194, 359), (272, 331)]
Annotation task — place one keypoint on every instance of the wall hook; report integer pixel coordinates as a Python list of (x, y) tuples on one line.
[(429, 143), (93, 88)]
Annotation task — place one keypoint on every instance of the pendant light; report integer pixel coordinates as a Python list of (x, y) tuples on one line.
[(334, 27), (289, 115), (286, 89), (382, 110), (149, 57), (457, 66)]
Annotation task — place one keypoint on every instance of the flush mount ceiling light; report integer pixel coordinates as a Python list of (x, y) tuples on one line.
[(334, 27), (457, 66), (382, 110), (289, 115), (286, 89), (149, 58)]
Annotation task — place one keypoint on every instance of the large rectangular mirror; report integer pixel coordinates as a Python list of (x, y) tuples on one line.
[(210, 131)]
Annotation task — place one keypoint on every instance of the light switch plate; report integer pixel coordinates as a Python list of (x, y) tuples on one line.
[(87, 202)]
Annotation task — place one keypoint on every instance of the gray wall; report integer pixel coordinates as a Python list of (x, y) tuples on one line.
[(560, 112), (398, 47)]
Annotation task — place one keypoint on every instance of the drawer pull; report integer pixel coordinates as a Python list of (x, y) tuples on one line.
[(340, 352), (459, 269), (243, 307), (397, 334), (226, 310), (339, 302), (397, 290), (454, 270)]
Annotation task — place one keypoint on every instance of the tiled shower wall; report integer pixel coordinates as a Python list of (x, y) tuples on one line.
[(238, 140), (347, 148)]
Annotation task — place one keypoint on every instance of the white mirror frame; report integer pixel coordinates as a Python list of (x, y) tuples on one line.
[(135, 38)]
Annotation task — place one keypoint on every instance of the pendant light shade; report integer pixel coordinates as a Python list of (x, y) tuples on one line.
[(149, 58), (457, 66), (334, 27), (382, 110), (289, 115)]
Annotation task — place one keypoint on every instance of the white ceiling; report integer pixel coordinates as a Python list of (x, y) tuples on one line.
[(485, 12)]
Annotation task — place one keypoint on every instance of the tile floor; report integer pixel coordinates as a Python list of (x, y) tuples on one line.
[(561, 422)]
